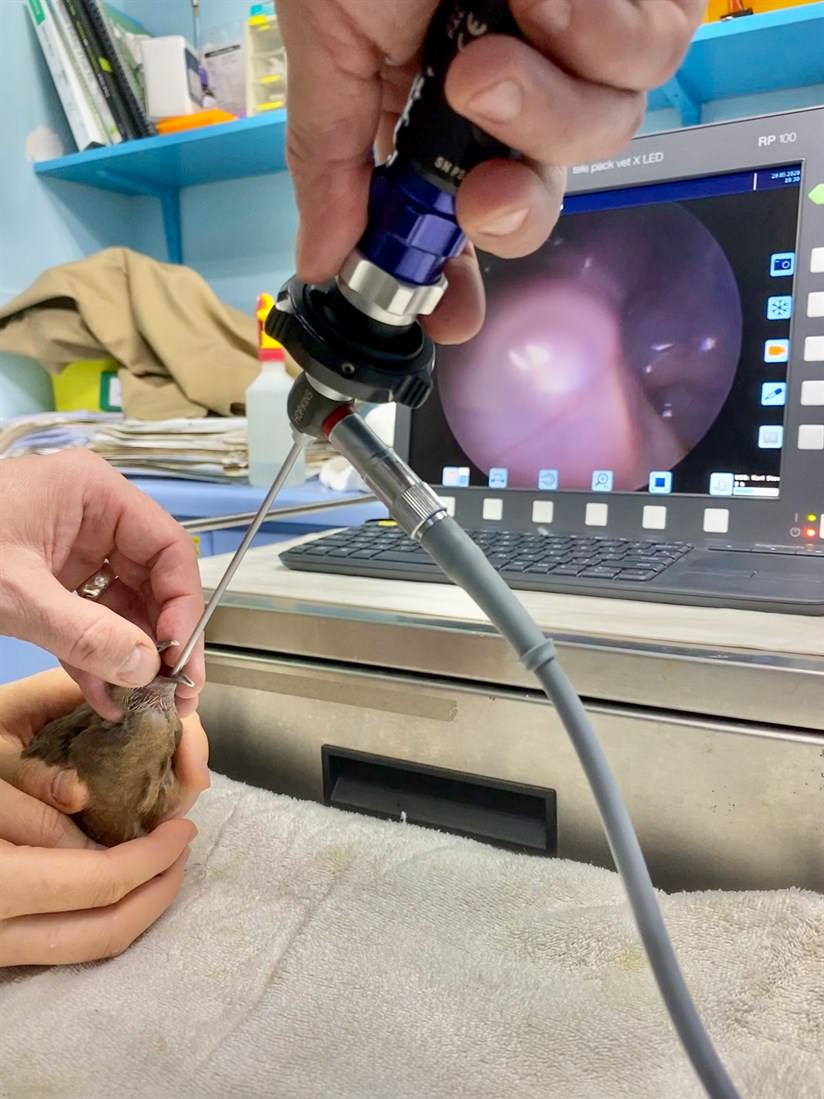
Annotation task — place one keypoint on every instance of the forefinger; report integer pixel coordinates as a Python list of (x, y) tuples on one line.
[(73, 937), (630, 44), (147, 537), (34, 879), (26, 705)]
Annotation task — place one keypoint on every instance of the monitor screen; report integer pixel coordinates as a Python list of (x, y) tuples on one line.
[(643, 348)]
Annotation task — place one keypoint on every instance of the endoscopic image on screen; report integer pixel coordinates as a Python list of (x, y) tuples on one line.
[(636, 348)]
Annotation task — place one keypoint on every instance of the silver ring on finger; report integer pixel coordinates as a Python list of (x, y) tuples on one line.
[(96, 584)]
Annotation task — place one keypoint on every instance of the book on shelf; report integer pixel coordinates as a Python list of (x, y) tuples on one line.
[(114, 49), (127, 35), (102, 68), (83, 68), (85, 124)]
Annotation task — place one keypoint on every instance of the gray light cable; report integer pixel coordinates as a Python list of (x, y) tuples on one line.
[(423, 516)]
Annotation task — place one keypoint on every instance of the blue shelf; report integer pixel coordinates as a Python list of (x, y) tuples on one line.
[(161, 166), (759, 53), (738, 57)]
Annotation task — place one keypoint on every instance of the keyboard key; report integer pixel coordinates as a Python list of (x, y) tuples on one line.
[(601, 572), (636, 574), (396, 558), (642, 563), (566, 570)]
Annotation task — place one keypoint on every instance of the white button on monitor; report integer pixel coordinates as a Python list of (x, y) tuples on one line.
[(493, 509), (815, 304), (716, 520), (814, 349), (817, 261), (811, 437), (596, 515), (812, 393), (543, 511), (449, 503), (654, 518)]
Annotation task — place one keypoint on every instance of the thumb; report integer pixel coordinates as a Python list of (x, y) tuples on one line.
[(83, 634), (27, 822), (58, 787)]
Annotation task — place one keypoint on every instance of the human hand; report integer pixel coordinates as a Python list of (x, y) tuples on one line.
[(61, 516), (72, 902), (572, 91), (64, 899), (29, 705)]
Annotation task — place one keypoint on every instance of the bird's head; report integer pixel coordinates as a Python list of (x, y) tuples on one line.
[(159, 695)]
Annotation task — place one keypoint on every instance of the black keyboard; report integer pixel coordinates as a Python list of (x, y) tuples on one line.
[(543, 562)]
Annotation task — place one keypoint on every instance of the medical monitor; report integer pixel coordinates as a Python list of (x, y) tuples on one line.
[(658, 364)]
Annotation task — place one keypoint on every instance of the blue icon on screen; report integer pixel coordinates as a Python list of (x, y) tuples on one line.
[(722, 484), (498, 478), (602, 480), (455, 477), (779, 308), (547, 480), (782, 263), (660, 482), (774, 394), (771, 437)]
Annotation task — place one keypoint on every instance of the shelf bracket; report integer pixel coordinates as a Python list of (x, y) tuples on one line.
[(169, 198), (686, 102)]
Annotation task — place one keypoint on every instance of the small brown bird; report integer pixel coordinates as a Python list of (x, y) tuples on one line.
[(127, 765)]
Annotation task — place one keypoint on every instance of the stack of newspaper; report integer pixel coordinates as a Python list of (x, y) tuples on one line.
[(208, 449)]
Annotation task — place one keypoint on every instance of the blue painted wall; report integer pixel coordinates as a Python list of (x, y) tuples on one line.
[(40, 225), (239, 234)]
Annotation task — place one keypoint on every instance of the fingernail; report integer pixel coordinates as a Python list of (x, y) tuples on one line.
[(500, 103), (505, 224), (63, 786), (140, 667), (555, 15)]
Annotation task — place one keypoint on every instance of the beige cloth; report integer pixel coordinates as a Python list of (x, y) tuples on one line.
[(183, 352)]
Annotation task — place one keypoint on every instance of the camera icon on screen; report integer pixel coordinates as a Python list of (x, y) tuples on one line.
[(782, 263)]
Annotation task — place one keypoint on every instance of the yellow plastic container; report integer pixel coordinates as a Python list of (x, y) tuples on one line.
[(88, 386)]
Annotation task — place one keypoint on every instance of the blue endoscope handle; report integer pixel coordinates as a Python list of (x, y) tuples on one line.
[(431, 139), (412, 229)]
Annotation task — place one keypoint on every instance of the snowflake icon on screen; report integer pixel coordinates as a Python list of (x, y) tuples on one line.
[(779, 308)]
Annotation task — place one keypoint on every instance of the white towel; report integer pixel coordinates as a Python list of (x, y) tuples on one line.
[(314, 954)]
